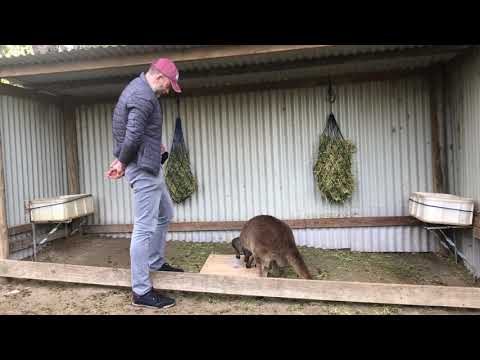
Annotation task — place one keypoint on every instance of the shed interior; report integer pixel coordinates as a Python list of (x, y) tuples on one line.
[(73, 95)]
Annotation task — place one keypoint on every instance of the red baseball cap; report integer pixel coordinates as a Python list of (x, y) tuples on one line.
[(170, 71)]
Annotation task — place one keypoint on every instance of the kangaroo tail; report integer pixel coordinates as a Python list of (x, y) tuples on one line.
[(296, 261)]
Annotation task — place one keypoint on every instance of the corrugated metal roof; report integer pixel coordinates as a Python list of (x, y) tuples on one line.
[(68, 81), (301, 55), (124, 50), (89, 54)]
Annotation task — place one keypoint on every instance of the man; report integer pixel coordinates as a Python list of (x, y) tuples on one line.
[(137, 131)]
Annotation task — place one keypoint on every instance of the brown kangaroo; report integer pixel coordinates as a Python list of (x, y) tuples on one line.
[(269, 242)]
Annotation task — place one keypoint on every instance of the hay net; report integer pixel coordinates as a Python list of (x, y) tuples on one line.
[(333, 168), (179, 178), (332, 130)]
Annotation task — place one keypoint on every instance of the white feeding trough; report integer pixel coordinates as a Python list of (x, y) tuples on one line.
[(443, 209), (60, 210), (441, 213)]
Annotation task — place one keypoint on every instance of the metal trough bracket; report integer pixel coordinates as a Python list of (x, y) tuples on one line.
[(53, 231), (439, 231)]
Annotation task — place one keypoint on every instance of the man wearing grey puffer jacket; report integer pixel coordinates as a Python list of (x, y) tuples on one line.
[(137, 131)]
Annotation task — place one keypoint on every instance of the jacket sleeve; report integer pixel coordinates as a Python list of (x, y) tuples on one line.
[(139, 114)]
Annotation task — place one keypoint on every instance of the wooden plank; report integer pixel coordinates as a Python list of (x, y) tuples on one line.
[(20, 229), (207, 226), (294, 224), (353, 222), (23, 244), (227, 265), (179, 56), (108, 229), (6, 89), (476, 226), (70, 130), (3, 210), (395, 294)]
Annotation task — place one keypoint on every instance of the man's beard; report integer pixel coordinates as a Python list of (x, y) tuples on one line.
[(161, 92)]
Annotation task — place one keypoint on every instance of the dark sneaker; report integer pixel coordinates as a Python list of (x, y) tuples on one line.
[(152, 300), (167, 267)]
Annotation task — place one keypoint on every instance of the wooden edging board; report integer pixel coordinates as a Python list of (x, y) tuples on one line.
[(324, 223), (339, 291)]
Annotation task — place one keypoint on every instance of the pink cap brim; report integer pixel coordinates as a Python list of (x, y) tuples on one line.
[(175, 86)]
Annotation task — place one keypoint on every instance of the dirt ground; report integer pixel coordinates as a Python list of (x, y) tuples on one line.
[(43, 298)]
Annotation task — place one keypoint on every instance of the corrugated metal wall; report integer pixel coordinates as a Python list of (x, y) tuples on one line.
[(34, 153), (254, 153), (463, 121)]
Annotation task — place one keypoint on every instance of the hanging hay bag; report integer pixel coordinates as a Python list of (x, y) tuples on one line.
[(333, 169), (178, 174)]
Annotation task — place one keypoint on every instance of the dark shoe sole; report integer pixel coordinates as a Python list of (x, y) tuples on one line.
[(154, 307)]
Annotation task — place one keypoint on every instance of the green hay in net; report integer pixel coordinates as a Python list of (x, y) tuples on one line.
[(333, 169), (178, 174)]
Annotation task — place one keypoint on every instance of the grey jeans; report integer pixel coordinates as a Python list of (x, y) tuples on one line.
[(153, 212)]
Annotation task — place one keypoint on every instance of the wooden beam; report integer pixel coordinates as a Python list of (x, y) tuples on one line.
[(340, 60), (353, 222), (3, 209), (461, 58), (26, 241), (16, 91), (446, 125), (348, 78), (437, 170), (354, 292), (294, 224), (476, 226), (179, 56), (20, 229), (72, 149), (24, 244)]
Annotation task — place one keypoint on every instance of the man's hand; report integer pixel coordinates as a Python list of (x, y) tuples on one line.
[(116, 171), (162, 149)]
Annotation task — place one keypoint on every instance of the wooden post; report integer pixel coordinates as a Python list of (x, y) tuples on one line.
[(72, 149), (437, 123), (3, 210), (476, 226), (4, 246), (436, 92)]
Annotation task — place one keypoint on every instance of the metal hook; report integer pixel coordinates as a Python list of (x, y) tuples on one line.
[(332, 97)]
